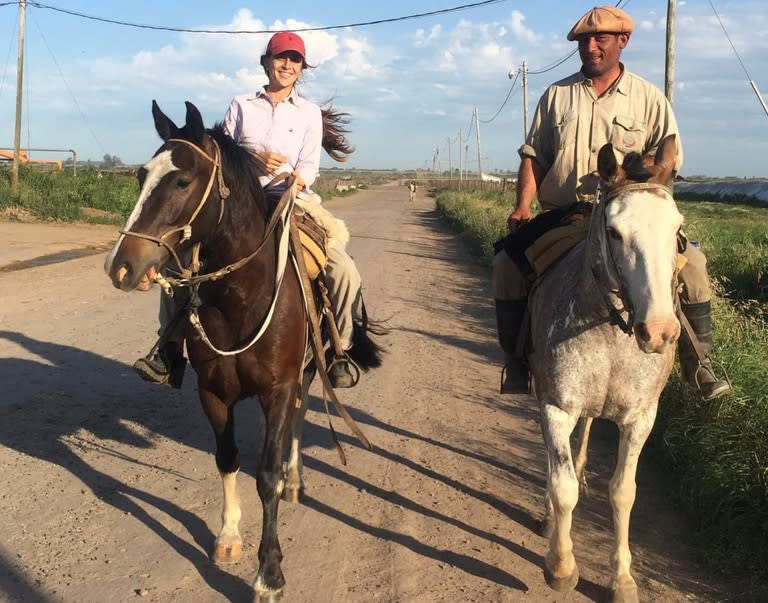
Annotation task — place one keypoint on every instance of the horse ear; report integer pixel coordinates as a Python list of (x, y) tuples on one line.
[(163, 124), (607, 165), (666, 156), (194, 122)]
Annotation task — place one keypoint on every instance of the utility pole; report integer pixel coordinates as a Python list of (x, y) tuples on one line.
[(525, 100), (477, 129), (461, 154), (450, 165), (669, 69), (19, 84)]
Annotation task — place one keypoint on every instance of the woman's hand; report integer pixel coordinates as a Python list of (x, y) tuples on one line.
[(269, 161), (299, 181)]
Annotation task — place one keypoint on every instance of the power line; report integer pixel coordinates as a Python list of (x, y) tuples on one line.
[(509, 94), (66, 85), (255, 31)]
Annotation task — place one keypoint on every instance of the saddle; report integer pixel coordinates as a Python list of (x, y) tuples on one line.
[(536, 245), (319, 230)]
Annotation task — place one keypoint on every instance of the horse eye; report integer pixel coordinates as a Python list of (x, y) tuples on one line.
[(182, 184)]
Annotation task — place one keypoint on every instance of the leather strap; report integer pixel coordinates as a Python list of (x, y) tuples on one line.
[(317, 349)]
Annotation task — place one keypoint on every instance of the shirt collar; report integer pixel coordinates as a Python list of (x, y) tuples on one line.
[(294, 97), (621, 85)]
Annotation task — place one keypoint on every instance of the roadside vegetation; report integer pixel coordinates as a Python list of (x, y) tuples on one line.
[(107, 196), (713, 455)]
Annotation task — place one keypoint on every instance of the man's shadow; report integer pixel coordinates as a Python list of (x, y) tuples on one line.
[(48, 403)]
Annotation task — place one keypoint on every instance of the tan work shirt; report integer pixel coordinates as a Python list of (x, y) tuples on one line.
[(571, 125)]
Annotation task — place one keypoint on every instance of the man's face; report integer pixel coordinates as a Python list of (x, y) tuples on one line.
[(600, 52)]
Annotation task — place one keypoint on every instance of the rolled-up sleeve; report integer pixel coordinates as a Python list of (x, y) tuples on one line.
[(538, 144), (233, 121)]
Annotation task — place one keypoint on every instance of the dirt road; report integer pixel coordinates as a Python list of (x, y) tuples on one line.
[(109, 491)]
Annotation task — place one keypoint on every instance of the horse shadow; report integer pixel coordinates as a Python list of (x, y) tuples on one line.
[(71, 392), (318, 435)]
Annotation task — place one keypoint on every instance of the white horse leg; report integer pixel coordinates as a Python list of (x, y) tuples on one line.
[(580, 462), (548, 522), (293, 469), (560, 569), (622, 494), (229, 545)]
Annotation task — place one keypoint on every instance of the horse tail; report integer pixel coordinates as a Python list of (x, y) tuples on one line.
[(365, 352), (335, 130)]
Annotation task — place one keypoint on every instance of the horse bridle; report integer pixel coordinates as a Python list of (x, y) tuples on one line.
[(186, 229), (617, 286)]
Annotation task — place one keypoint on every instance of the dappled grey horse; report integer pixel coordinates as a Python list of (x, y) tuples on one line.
[(602, 345)]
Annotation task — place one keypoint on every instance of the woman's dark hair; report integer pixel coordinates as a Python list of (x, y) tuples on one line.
[(335, 133)]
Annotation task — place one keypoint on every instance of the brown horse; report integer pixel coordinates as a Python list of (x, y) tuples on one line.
[(201, 187)]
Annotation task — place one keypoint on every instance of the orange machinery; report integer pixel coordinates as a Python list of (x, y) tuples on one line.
[(24, 158)]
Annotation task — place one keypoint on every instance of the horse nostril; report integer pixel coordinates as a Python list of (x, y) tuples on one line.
[(642, 331)]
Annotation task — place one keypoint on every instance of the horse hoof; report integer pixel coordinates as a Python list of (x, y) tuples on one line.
[(563, 584), (227, 553), (292, 495), (268, 596), (623, 594)]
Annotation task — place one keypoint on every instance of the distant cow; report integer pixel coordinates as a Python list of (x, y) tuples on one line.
[(411, 191)]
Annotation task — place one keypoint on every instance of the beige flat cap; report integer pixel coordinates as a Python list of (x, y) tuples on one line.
[(602, 19)]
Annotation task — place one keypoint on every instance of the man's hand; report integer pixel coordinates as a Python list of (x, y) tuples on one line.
[(517, 217), (269, 161)]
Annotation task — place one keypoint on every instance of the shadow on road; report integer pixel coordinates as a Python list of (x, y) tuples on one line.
[(51, 406)]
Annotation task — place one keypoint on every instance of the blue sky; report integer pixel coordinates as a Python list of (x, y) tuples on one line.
[(410, 86)]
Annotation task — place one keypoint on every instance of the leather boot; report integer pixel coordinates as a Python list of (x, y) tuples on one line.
[(699, 374), (163, 365), (509, 321)]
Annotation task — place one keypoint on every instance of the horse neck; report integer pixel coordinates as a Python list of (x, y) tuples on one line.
[(241, 229)]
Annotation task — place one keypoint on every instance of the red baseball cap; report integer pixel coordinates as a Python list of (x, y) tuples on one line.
[(284, 41)]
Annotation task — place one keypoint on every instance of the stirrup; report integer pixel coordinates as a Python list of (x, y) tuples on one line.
[(162, 368), (523, 386), (718, 387), (340, 374)]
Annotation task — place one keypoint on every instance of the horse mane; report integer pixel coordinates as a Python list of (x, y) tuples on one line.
[(243, 174), (635, 168), (335, 130)]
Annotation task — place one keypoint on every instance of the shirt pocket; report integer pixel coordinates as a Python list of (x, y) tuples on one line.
[(628, 134), (565, 130)]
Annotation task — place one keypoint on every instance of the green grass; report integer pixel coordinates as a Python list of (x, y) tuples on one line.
[(104, 197), (91, 196), (712, 455)]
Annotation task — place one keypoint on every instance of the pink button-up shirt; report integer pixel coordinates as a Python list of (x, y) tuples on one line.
[(293, 128)]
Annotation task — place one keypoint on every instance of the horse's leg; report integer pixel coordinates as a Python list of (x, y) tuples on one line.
[(560, 569), (278, 406), (548, 522), (229, 545), (622, 494), (580, 462), (294, 468)]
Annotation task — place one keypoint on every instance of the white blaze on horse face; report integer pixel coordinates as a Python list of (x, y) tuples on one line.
[(648, 223), (157, 168)]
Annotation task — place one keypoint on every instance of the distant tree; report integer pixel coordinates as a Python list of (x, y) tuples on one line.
[(111, 161)]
